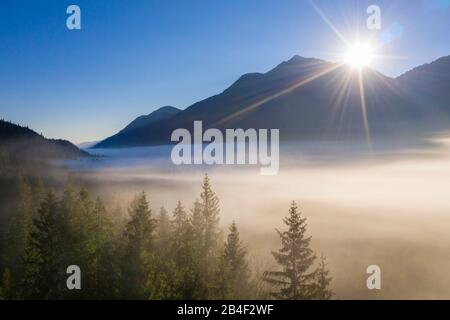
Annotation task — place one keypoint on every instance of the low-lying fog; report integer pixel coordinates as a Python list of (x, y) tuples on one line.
[(389, 206)]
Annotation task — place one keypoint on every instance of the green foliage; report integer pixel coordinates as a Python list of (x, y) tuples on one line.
[(44, 258), (184, 252), (323, 282), (28, 198), (138, 245), (72, 230), (164, 280), (103, 248), (233, 276), (178, 257), (210, 210), (205, 220), (297, 280)]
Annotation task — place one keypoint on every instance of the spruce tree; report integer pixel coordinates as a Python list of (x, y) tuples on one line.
[(104, 258), (210, 214), (182, 236), (71, 208), (77, 210), (233, 276), (295, 280), (323, 281), (164, 278), (205, 224), (45, 268), (184, 253), (138, 243)]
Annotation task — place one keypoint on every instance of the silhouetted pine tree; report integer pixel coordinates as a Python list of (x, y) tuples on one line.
[(205, 224), (323, 281), (295, 281), (104, 254), (182, 236), (184, 251), (79, 221), (165, 276), (210, 214), (138, 245), (45, 268), (233, 276)]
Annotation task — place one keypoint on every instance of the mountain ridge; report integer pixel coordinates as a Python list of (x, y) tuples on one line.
[(311, 104), (19, 144)]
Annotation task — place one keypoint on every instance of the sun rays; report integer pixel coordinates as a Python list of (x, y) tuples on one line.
[(364, 108), (359, 55), (296, 85)]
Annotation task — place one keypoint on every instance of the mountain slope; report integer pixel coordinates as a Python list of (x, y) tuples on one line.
[(20, 145), (429, 83), (160, 114), (308, 98)]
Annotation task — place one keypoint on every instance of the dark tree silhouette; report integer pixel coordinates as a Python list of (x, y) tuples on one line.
[(296, 279), (233, 276), (138, 247)]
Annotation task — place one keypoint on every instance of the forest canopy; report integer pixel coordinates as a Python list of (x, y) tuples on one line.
[(148, 254)]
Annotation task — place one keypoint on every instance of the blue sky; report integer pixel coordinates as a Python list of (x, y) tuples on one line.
[(131, 57)]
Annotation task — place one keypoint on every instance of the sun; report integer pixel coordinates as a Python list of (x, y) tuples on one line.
[(359, 55)]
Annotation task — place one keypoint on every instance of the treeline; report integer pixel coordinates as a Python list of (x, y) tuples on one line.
[(181, 255)]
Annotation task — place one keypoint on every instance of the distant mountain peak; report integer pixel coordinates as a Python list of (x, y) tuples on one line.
[(297, 63), (165, 109), (159, 114), (308, 98), (296, 59)]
